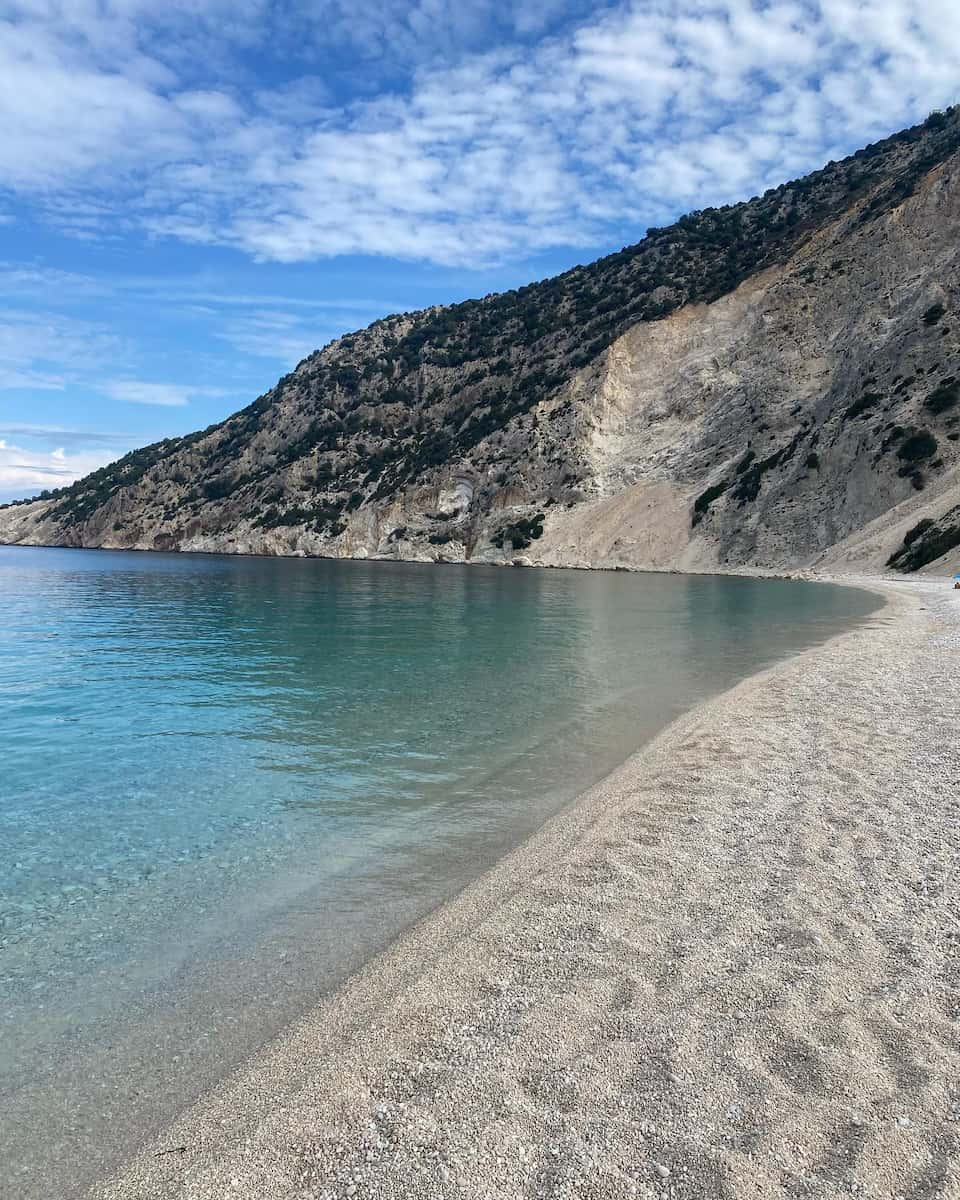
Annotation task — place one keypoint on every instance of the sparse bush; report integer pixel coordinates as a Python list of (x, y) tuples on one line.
[(866, 402), (519, 533), (218, 488), (750, 482), (933, 314), (927, 541), (918, 530), (706, 498), (943, 397), (919, 445)]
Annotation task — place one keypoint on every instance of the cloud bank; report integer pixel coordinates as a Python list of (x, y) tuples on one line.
[(445, 133), (28, 470)]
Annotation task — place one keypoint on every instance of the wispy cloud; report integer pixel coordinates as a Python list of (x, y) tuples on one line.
[(42, 350), (41, 282), (18, 279), (358, 308), (507, 132), (167, 395), (25, 471), (46, 348), (54, 436), (288, 337)]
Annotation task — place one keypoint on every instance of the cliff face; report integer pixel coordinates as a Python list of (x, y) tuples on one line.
[(775, 384)]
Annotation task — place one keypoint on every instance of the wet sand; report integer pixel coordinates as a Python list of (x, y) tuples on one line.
[(732, 969)]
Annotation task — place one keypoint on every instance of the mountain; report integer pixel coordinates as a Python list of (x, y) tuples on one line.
[(769, 384)]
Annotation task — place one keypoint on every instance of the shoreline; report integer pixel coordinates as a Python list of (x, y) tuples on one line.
[(522, 562), (467, 1056)]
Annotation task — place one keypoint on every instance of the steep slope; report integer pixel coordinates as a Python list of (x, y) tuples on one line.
[(757, 385)]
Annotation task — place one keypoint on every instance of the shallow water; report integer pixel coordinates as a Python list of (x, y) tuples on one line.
[(226, 782)]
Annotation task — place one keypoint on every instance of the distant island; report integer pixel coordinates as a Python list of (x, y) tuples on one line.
[(772, 384)]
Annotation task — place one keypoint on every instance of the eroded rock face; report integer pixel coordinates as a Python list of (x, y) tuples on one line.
[(773, 385), (773, 426)]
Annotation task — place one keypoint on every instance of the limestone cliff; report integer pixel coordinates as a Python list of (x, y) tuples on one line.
[(773, 384)]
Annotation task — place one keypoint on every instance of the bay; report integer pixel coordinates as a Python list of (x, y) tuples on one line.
[(226, 782)]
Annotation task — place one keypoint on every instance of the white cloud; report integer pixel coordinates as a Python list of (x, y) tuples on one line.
[(562, 134), (133, 391), (167, 395), (58, 435), (79, 116), (24, 471)]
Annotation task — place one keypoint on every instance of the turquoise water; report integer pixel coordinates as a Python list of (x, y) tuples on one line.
[(225, 782)]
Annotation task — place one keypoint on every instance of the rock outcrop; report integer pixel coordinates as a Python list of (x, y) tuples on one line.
[(774, 384)]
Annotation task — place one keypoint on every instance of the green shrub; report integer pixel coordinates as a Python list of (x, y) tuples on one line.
[(933, 314), (919, 445), (918, 530), (519, 533), (927, 541), (218, 488), (943, 397), (750, 482), (706, 498), (867, 401)]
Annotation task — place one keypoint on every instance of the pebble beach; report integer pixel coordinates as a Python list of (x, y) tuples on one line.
[(732, 969)]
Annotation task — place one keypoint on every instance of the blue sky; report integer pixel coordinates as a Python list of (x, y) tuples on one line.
[(194, 194)]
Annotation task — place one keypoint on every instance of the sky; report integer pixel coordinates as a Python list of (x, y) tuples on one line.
[(195, 194)]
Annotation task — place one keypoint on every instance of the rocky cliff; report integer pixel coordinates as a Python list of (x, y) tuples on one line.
[(772, 384)]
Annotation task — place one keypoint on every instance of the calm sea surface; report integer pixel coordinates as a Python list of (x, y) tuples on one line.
[(226, 782)]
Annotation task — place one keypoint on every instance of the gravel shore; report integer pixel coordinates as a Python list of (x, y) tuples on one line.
[(730, 970)]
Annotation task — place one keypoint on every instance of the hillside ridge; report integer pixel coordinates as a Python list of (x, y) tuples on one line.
[(753, 386)]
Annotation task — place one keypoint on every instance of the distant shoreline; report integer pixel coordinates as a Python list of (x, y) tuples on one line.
[(684, 976), (808, 574)]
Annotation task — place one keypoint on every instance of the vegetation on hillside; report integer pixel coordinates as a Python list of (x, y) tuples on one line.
[(927, 541), (379, 411)]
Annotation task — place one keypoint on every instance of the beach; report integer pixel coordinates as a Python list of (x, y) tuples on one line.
[(731, 969)]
